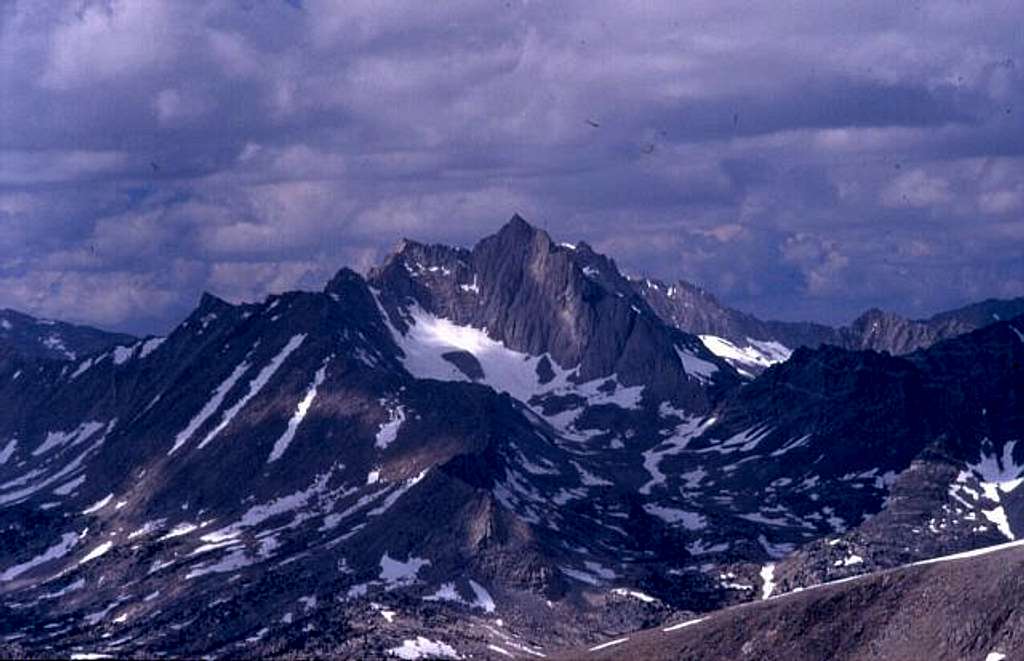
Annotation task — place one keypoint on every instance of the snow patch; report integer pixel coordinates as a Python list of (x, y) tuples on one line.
[(589, 479), (150, 345), (55, 343), (99, 504), (58, 550), (1020, 336), (424, 648), (176, 531), (473, 288), (68, 487), (77, 585), (97, 552), (686, 431), (483, 597), (123, 354), (793, 445), (767, 580), (635, 594), (683, 625), (672, 516), (970, 554), (446, 592), (388, 431), (56, 439), (757, 354), (429, 337), (396, 573), (610, 643), (8, 451), (696, 367), (235, 559), (83, 368), (70, 468), (300, 414), (996, 475), (257, 514), (848, 561)]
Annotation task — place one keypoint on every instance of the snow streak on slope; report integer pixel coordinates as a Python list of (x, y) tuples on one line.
[(8, 451), (58, 438), (46, 480), (150, 345), (58, 550), (257, 514), (255, 386), (210, 408), (300, 414), (97, 552)]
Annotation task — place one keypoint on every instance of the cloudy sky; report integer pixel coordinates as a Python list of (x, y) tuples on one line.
[(801, 160)]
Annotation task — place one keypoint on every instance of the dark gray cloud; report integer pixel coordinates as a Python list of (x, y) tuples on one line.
[(803, 160)]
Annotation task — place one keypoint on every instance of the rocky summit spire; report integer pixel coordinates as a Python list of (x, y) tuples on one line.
[(518, 230)]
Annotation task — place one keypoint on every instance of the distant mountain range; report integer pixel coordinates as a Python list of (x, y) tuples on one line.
[(29, 337), (503, 451), (751, 344)]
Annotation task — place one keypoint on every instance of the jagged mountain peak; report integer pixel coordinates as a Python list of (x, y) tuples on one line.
[(415, 255), (470, 445), (515, 238), (345, 280), (519, 226), (545, 299), (210, 302)]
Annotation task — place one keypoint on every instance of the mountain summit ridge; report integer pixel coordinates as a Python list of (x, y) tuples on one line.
[(684, 305)]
